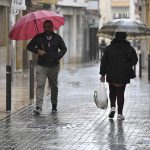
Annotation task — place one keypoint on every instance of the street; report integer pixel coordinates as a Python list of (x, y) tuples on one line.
[(79, 124)]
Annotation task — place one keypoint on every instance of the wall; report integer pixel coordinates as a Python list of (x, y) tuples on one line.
[(120, 3), (3, 40), (72, 33), (4, 24)]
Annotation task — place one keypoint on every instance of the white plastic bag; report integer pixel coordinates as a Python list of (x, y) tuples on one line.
[(100, 97)]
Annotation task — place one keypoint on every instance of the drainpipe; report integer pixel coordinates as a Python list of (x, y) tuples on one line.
[(149, 67)]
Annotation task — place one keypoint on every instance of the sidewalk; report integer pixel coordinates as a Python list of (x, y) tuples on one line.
[(79, 125), (19, 93)]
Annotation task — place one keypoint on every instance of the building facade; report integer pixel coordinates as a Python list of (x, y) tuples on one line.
[(80, 27), (72, 31), (116, 9), (120, 9), (79, 31), (144, 11), (91, 25), (4, 30)]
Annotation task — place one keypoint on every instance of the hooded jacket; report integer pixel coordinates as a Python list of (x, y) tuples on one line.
[(117, 62)]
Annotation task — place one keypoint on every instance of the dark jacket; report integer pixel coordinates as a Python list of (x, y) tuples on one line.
[(117, 62), (53, 54)]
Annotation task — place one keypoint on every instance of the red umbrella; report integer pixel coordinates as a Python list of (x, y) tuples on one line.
[(31, 24)]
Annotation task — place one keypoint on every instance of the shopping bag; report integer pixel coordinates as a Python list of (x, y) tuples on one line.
[(100, 96)]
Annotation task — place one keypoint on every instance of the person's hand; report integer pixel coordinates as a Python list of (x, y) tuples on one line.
[(41, 52), (102, 78)]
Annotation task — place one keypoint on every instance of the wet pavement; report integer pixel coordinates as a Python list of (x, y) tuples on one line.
[(19, 93), (79, 124)]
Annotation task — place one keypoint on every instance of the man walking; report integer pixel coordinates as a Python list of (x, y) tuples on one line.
[(102, 47), (50, 48)]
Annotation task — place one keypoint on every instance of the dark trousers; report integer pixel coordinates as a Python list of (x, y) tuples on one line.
[(117, 93)]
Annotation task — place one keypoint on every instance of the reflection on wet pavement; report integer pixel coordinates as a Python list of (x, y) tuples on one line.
[(79, 124), (75, 84), (19, 96)]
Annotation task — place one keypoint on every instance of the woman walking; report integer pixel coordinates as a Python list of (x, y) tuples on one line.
[(116, 64)]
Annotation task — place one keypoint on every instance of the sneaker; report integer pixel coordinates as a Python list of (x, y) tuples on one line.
[(120, 117), (37, 111), (112, 113), (54, 108)]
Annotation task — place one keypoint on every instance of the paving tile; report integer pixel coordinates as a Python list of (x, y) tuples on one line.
[(79, 124)]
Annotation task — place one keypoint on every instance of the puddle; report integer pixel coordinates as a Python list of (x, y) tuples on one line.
[(52, 126), (75, 84), (143, 144)]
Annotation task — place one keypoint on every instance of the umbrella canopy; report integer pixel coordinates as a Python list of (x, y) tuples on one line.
[(133, 28), (31, 24)]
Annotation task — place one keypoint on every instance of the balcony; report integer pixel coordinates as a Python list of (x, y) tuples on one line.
[(46, 1), (120, 3), (92, 5), (72, 3)]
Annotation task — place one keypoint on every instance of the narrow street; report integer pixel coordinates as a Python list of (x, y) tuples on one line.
[(79, 124)]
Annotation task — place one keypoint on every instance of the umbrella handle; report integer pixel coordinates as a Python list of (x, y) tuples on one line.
[(43, 47), (37, 30), (38, 33)]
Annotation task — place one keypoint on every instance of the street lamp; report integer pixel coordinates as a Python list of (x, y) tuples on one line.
[(16, 5)]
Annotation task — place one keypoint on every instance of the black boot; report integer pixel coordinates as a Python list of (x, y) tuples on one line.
[(54, 108)]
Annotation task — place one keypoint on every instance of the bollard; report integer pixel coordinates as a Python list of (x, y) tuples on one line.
[(149, 67), (8, 88), (31, 80), (140, 65)]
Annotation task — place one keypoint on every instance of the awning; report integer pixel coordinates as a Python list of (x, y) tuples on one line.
[(5, 3)]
